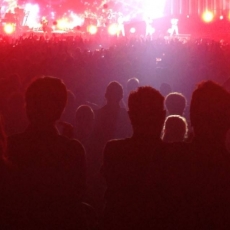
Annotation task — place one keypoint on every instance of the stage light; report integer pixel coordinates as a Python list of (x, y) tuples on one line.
[(207, 16), (92, 29), (153, 8), (32, 12), (113, 29), (9, 28), (221, 17), (62, 24), (132, 30)]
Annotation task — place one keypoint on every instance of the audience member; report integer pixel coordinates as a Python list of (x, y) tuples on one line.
[(175, 129), (84, 123), (48, 170), (131, 84), (209, 163), (111, 121), (127, 164), (175, 103)]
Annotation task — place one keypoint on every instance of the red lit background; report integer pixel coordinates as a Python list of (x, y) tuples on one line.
[(69, 14)]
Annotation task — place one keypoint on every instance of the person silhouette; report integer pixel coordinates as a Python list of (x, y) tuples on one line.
[(111, 121), (48, 170), (175, 103), (126, 163), (205, 173), (175, 129)]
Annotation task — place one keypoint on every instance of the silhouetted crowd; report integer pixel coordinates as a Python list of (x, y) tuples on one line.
[(134, 136)]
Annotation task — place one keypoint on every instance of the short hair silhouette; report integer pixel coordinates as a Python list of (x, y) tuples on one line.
[(46, 99), (84, 113), (146, 108), (132, 84), (175, 129), (210, 109), (114, 92), (175, 103)]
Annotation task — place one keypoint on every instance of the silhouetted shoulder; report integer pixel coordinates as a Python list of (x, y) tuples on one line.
[(25, 146), (114, 147)]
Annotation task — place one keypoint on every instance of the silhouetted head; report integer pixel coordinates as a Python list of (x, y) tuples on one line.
[(84, 115), (46, 99), (146, 111), (210, 110), (175, 129), (114, 92), (132, 84), (175, 103)]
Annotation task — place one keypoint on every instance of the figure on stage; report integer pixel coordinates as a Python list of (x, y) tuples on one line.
[(120, 25), (149, 28), (174, 27), (44, 23)]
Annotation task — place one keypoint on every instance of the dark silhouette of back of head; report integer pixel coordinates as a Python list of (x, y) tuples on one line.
[(132, 84), (175, 129), (210, 111), (146, 111), (175, 103), (114, 93), (84, 120), (46, 99)]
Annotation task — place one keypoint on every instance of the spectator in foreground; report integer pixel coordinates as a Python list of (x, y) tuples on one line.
[(175, 103), (127, 163), (48, 170), (84, 123), (210, 187), (131, 85), (175, 129)]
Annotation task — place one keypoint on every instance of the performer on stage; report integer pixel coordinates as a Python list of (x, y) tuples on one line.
[(120, 25), (174, 27), (44, 23), (149, 28)]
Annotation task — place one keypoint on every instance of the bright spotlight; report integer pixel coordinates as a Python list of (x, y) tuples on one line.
[(207, 16), (153, 8), (9, 28), (132, 30), (221, 17), (113, 29), (62, 24), (92, 29)]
